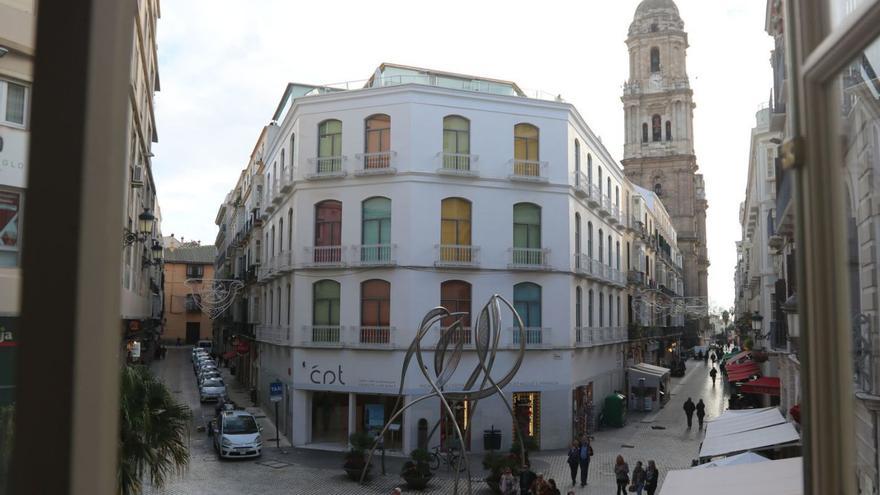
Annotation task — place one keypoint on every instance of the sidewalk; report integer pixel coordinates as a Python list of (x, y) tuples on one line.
[(242, 398)]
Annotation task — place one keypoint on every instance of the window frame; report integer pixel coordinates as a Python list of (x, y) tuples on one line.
[(4, 102)]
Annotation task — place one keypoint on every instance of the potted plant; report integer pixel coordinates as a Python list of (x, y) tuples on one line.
[(416, 472), (356, 458), (530, 445), (495, 463)]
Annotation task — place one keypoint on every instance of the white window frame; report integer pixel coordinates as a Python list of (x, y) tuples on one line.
[(4, 91)]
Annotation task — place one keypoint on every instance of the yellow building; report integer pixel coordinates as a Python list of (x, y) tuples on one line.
[(188, 269)]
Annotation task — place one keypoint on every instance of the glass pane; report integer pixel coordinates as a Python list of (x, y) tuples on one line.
[(840, 10), (375, 208), (15, 103), (857, 90), (456, 124)]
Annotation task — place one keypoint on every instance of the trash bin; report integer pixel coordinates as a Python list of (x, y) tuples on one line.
[(492, 439), (614, 411)]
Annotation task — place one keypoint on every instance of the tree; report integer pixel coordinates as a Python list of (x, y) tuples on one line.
[(153, 431)]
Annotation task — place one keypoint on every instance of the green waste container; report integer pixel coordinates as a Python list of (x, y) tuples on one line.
[(614, 412)]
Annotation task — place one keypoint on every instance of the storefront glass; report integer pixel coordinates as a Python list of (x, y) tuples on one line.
[(373, 411), (582, 409), (329, 418), (527, 414), (448, 437)]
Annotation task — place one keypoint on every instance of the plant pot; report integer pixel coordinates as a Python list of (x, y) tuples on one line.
[(354, 470), (416, 481)]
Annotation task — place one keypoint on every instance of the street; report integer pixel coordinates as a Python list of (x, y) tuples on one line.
[(662, 436)]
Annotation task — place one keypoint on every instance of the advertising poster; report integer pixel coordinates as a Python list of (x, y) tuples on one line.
[(10, 203)]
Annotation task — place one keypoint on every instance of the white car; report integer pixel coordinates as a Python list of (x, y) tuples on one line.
[(237, 435), (212, 390), (209, 374)]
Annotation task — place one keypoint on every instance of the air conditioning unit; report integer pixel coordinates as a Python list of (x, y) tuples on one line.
[(137, 176)]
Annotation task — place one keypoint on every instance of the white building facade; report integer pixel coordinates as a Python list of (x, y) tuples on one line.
[(427, 189)]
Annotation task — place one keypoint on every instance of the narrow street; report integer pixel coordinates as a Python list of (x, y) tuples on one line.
[(662, 436)]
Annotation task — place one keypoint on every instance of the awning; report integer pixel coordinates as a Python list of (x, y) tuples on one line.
[(735, 358), (762, 438), (650, 369), (782, 477), (765, 385), (738, 421), (743, 371), (746, 458)]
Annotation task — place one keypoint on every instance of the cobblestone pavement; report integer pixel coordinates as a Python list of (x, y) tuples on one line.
[(662, 436)]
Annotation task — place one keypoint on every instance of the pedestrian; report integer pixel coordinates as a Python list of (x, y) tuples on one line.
[(706, 357), (584, 454), (621, 472), (526, 478), (178, 341), (551, 483), (651, 478), (638, 478), (508, 483), (701, 412), (539, 486), (573, 461), (714, 357), (713, 373), (689, 411)]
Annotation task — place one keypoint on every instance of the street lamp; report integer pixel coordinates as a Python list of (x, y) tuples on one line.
[(757, 326), (155, 254), (145, 228)]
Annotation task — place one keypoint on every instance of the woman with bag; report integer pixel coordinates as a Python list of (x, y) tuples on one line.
[(651, 478), (621, 472), (638, 479), (574, 461)]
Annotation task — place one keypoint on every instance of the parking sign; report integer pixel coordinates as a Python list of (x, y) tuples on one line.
[(275, 391)]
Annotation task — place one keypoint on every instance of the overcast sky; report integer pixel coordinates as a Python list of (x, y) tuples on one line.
[(224, 65)]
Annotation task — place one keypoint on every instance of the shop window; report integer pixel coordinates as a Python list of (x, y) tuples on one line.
[(10, 230), (371, 413), (527, 415), (329, 415), (448, 436)]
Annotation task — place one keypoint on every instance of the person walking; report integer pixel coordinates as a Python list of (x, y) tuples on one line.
[(539, 486), (713, 373), (651, 478), (638, 478), (689, 411), (507, 484), (621, 473), (574, 461), (526, 478), (701, 412), (584, 454)]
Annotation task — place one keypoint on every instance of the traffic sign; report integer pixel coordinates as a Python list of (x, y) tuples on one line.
[(276, 391)]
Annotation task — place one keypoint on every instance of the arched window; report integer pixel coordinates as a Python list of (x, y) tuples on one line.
[(455, 295), (577, 162), (328, 232), (656, 123), (617, 196), (590, 240), (525, 150), (272, 252), (590, 308), (283, 176), (655, 59), (376, 230), (610, 260), (644, 133), (289, 304), (325, 304), (526, 226), (456, 143), (668, 130), (455, 222), (590, 168), (375, 312), (290, 228), (599, 183), (617, 252), (527, 301), (577, 238), (658, 189), (281, 235), (601, 246), (601, 308), (610, 313), (292, 151), (618, 311), (329, 146), (271, 305), (608, 189), (377, 141), (578, 301)]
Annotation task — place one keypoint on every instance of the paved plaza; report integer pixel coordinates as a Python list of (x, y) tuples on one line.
[(661, 436)]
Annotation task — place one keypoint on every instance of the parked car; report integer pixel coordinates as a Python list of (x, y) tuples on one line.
[(198, 351), (212, 390), (205, 367), (207, 345), (202, 361), (237, 435)]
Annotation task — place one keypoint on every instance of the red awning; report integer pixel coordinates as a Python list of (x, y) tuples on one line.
[(229, 355), (242, 347), (765, 385), (742, 371)]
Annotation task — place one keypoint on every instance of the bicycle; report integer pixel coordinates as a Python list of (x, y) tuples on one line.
[(451, 457)]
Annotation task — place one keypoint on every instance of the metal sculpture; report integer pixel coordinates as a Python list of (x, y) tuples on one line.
[(447, 356), (214, 296)]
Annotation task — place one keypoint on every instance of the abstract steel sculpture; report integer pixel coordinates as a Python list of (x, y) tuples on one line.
[(447, 356), (213, 296)]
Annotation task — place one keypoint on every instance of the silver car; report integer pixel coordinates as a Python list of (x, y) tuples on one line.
[(237, 435), (209, 374), (212, 390)]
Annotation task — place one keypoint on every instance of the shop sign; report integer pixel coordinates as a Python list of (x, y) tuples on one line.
[(326, 377), (7, 331), (276, 391), (135, 350), (13, 156)]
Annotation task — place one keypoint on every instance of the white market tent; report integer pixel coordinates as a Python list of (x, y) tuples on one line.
[(745, 458), (783, 477), (732, 422), (757, 439)]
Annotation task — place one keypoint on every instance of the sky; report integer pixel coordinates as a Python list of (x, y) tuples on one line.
[(223, 69)]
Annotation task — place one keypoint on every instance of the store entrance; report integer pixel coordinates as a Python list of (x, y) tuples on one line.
[(329, 418)]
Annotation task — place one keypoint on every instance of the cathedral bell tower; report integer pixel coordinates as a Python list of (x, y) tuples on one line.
[(659, 143)]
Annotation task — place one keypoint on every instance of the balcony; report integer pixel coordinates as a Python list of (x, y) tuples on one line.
[(273, 334), (635, 278), (594, 199), (583, 337), (375, 255), (581, 184), (463, 334), (461, 164), (284, 262), (326, 167), (536, 337), (380, 337), (376, 163), (457, 255), (528, 171), (324, 256), (322, 335), (605, 206), (529, 258)]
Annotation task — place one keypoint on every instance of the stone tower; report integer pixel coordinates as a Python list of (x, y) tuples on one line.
[(658, 112)]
